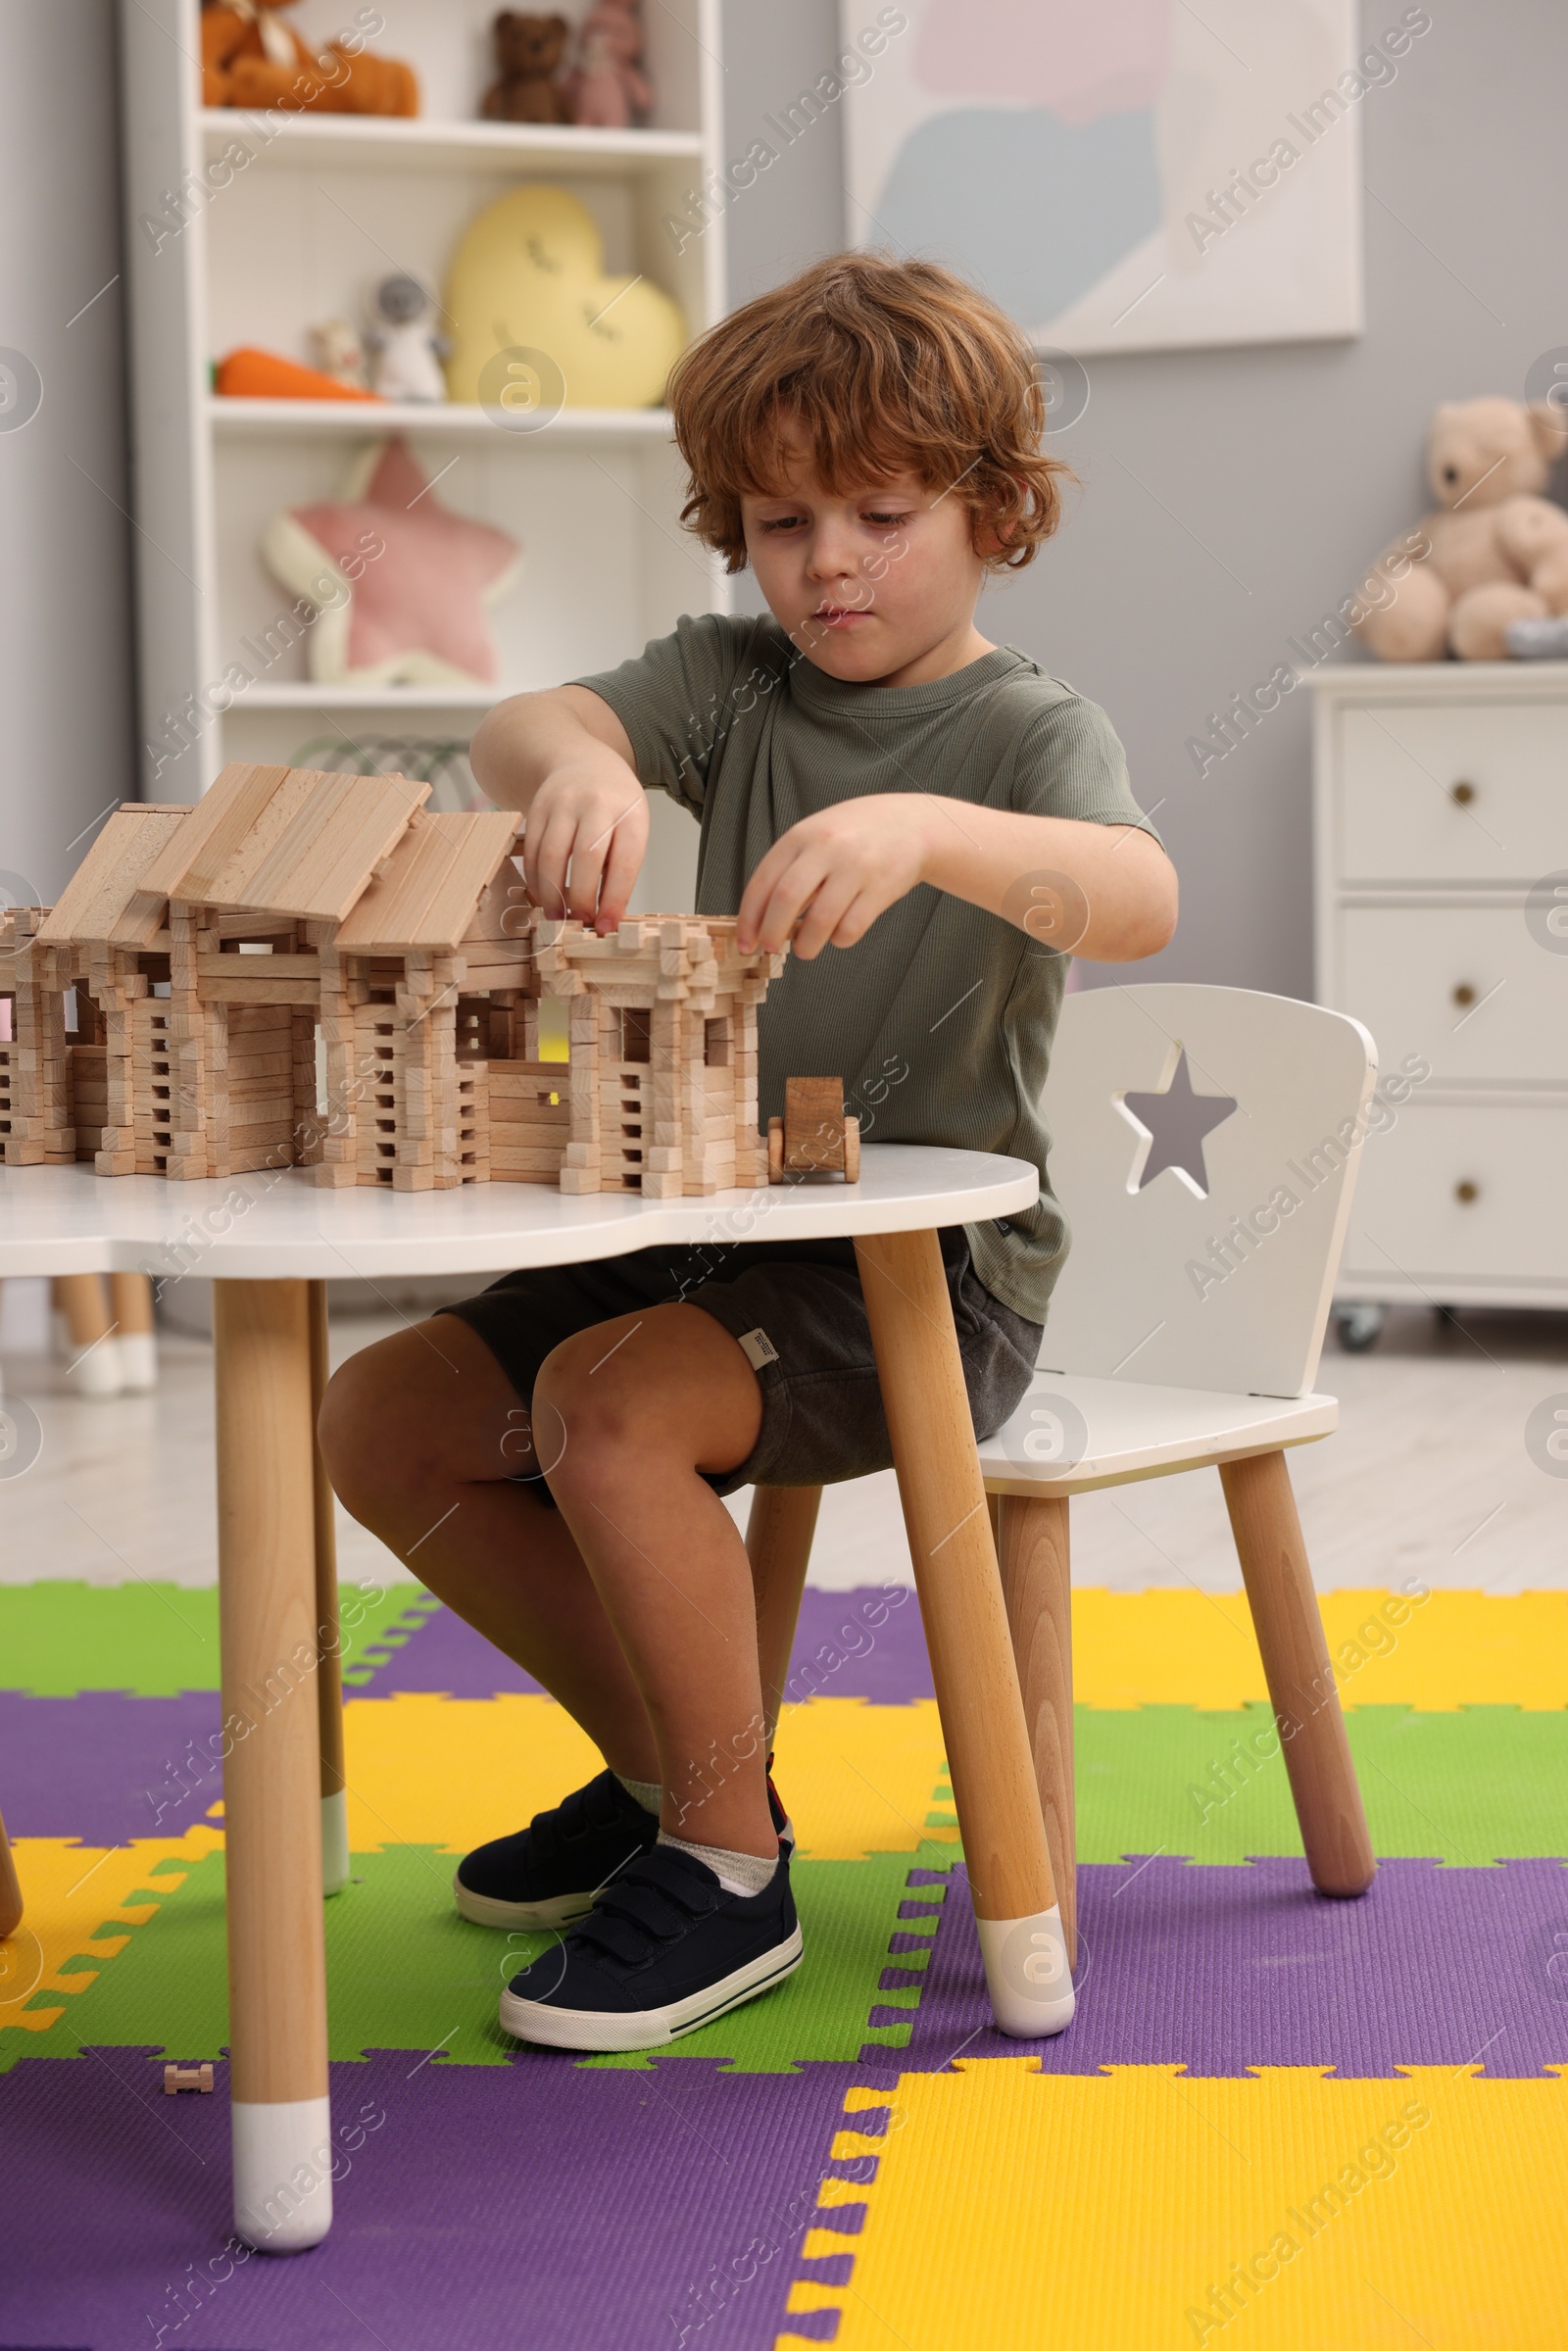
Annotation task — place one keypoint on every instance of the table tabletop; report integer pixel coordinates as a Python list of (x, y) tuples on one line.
[(280, 1225)]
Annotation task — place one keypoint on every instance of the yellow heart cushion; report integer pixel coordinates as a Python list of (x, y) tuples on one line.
[(529, 270)]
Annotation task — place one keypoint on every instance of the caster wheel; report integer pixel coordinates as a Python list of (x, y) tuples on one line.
[(1359, 1327)]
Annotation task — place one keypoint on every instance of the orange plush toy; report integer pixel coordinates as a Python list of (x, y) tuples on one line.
[(249, 59)]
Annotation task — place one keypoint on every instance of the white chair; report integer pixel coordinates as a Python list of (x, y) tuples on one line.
[(1184, 1332)]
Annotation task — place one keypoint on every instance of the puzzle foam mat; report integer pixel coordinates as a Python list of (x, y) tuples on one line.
[(1276, 2120)]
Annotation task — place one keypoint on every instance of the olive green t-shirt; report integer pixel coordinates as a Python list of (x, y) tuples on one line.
[(940, 1021)]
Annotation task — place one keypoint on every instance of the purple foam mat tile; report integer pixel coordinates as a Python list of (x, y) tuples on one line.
[(105, 1767), (1220, 1969), (865, 1643), (534, 2203)]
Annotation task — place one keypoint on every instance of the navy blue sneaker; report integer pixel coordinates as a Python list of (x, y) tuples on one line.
[(664, 1950), (549, 1874), (553, 1870)]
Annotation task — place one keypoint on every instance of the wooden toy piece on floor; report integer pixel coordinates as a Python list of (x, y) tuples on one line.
[(186, 2076), (813, 1137)]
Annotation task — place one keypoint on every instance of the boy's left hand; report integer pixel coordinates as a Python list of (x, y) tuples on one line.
[(825, 881)]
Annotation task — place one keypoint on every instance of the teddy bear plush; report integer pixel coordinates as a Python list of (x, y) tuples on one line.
[(529, 52), (1497, 549), (608, 88), (250, 58)]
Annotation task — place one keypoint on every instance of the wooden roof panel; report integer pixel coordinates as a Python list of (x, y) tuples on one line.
[(108, 899), (294, 841), (432, 884)]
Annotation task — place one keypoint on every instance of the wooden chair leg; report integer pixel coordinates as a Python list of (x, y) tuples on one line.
[(1300, 1681), (1033, 1553), (778, 1544), (329, 1673), (10, 1888), (994, 1790), (130, 1303)]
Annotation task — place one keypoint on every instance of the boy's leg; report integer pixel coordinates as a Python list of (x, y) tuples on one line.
[(629, 1416), (423, 1438)]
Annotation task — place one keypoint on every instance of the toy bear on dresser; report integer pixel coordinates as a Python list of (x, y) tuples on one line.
[(1498, 551), (251, 59), (529, 52)]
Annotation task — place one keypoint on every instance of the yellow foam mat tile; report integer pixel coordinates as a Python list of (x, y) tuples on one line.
[(1388, 1648), (454, 1772), (78, 1898), (1287, 2211)]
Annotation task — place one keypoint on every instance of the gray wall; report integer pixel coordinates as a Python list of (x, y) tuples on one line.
[(67, 741), (1278, 470)]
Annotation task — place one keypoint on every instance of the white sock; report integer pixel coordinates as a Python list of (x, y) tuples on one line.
[(648, 1792), (737, 1873)]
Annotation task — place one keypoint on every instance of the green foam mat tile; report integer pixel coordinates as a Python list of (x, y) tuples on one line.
[(60, 1639), (404, 1972), (1472, 1788)]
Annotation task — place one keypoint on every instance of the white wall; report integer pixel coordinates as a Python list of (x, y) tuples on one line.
[(1231, 498), (66, 743)]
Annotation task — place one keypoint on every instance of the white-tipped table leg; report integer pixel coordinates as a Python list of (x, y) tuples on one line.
[(273, 1770), (329, 1674), (972, 1664)]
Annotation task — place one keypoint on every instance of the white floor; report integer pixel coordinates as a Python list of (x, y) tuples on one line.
[(1428, 1477)]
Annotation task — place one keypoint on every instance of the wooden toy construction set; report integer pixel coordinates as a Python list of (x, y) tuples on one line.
[(311, 970)]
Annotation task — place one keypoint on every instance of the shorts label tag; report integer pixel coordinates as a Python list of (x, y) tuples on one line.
[(757, 1349)]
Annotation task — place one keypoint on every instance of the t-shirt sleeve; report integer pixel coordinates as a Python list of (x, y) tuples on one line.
[(678, 700), (1070, 762)]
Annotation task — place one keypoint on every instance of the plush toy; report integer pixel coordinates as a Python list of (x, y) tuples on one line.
[(529, 52), (529, 272), (1498, 550), (251, 374), (399, 582), (249, 58), (337, 350), (407, 351), (608, 88)]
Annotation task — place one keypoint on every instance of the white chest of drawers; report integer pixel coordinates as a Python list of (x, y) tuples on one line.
[(1441, 799)]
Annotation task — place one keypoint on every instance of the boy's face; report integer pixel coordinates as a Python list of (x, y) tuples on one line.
[(879, 587)]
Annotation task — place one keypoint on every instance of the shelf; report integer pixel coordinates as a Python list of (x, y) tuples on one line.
[(285, 420), (302, 694), (306, 142)]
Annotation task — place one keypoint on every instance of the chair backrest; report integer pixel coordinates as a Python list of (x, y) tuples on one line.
[(1204, 1236)]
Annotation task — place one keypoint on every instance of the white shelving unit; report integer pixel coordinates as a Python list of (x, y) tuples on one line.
[(328, 206), (1442, 828)]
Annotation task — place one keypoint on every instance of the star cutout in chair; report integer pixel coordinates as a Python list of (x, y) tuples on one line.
[(1171, 1126), (400, 581)]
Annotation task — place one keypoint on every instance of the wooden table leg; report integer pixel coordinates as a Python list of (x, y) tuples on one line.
[(1301, 1680), (1032, 1549), (10, 1888), (1021, 1938), (778, 1545), (329, 1673), (281, 2115)]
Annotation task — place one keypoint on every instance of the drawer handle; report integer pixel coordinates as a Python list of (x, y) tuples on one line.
[(1464, 994), (1465, 1192), (1462, 794)]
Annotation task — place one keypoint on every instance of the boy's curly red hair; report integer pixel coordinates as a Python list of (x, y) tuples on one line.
[(888, 367)]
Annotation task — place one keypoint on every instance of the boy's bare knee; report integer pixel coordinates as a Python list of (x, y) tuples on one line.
[(381, 1427)]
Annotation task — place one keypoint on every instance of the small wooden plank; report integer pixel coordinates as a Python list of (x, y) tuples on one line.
[(108, 899)]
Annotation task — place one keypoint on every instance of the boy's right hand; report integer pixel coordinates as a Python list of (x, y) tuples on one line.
[(587, 837), (565, 760)]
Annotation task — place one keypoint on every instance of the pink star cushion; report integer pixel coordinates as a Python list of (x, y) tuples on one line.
[(398, 582)]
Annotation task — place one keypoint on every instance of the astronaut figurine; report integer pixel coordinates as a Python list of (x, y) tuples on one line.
[(406, 351)]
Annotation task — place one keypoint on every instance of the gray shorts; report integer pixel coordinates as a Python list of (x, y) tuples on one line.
[(822, 1417)]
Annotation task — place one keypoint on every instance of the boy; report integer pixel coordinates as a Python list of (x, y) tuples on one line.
[(874, 777)]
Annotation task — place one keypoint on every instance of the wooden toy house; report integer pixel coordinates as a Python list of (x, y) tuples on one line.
[(310, 969)]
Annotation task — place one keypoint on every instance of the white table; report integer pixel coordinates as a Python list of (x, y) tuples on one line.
[(270, 1242)]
